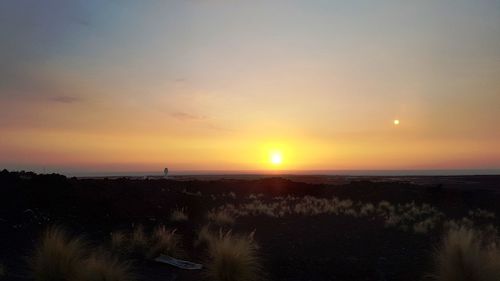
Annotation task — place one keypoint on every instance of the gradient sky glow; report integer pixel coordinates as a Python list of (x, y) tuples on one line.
[(224, 84)]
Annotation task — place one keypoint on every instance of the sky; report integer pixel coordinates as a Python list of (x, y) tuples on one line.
[(228, 85)]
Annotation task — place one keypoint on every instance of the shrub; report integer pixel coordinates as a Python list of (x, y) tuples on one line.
[(463, 256), (57, 257), (165, 242), (179, 215), (104, 267), (221, 217), (233, 258)]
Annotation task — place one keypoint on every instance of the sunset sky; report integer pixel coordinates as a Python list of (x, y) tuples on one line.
[(231, 85)]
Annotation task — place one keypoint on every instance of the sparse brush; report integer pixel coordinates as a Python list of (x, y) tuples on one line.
[(457, 224), (104, 267), (165, 242), (221, 217), (233, 258), (367, 209), (426, 225), (179, 215), (139, 243), (480, 213), (385, 206), (58, 256), (463, 256), (229, 194), (198, 193), (392, 221), (350, 212)]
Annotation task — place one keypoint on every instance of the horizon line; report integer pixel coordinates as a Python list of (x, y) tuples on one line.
[(346, 172), (249, 172)]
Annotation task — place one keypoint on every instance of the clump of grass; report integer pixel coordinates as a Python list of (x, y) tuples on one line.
[(165, 242), (207, 236), (138, 243), (179, 215), (220, 217), (142, 245), (58, 257), (104, 267), (233, 258), (465, 256)]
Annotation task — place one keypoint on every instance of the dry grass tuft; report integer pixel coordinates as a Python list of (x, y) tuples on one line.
[(142, 245), (138, 243), (205, 236), (465, 256), (179, 215), (104, 267), (165, 242), (233, 258), (58, 257), (220, 217)]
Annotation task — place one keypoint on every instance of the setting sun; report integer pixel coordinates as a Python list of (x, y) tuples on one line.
[(337, 129), (276, 158)]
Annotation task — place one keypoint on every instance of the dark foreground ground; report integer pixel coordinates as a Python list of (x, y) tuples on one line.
[(295, 247)]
